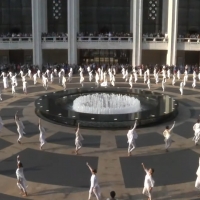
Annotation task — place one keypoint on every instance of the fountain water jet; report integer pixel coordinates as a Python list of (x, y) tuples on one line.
[(104, 103)]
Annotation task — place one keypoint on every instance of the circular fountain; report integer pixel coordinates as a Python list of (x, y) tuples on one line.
[(104, 103), (106, 107)]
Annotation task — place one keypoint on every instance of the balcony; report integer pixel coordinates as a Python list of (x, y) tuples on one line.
[(54, 42), (188, 44), (14, 43)]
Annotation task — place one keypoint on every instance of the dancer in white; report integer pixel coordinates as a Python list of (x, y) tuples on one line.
[(23, 77), (194, 82), (132, 136), (21, 73), (97, 79), (163, 84), (145, 77), (181, 87), (178, 75), (48, 73), (167, 136), (148, 182), (197, 183), (194, 74), (60, 76), (81, 79), (105, 82), (196, 129), (157, 77), (140, 72), (0, 94), (13, 89), (131, 81), (1, 124), (64, 83), (20, 127), (14, 79), (51, 77), (113, 80), (149, 83), (42, 134), (45, 81), (24, 87), (174, 80), (184, 80), (21, 181), (29, 73), (94, 185), (39, 73), (168, 73), (135, 76), (5, 80), (35, 78), (186, 75), (90, 76), (70, 75), (126, 75), (78, 140), (55, 72), (199, 76)]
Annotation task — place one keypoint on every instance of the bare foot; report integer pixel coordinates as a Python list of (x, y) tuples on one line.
[(18, 142)]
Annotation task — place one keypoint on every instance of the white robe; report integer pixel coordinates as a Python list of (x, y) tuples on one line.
[(78, 140), (22, 185), (24, 86), (1, 124), (42, 136), (20, 128), (197, 183), (181, 87), (5, 82), (196, 129)]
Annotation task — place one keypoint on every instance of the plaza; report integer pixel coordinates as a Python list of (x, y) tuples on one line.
[(56, 173)]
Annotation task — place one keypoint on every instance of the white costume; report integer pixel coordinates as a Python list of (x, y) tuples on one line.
[(70, 75), (60, 75), (24, 87), (55, 72), (42, 136), (81, 79), (64, 81), (94, 187), (5, 82), (140, 72), (184, 80), (196, 129), (131, 81), (167, 136), (148, 83), (197, 183), (174, 79), (194, 82), (148, 184), (14, 79), (163, 84), (178, 75), (1, 123), (90, 76), (45, 82), (20, 128), (132, 136), (78, 140), (35, 78), (157, 77), (186, 75), (39, 73), (181, 88), (145, 77), (135, 76), (22, 185), (0, 95), (51, 77), (113, 80), (29, 73), (13, 89), (97, 79), (168, 73)]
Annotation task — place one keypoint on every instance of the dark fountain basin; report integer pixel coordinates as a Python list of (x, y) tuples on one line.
[(57, 108)]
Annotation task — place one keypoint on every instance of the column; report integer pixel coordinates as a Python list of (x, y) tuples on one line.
[(137, 32), (72, 31), (36, 32), (44, 22), (164, 15), (172, 31)]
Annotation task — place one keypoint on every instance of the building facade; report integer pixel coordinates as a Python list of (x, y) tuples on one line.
[(101, 31)]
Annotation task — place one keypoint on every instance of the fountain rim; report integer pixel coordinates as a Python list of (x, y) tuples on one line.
[(95, 120)]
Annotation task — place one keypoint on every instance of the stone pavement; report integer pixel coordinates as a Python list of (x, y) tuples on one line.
[(56, 173)]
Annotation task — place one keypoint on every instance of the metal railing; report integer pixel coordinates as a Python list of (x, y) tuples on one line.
[(54, 39), (104, 39), (189, 40), (154, 39), (15, 39)]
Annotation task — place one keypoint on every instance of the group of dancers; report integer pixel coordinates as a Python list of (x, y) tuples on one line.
[(103, 77)]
